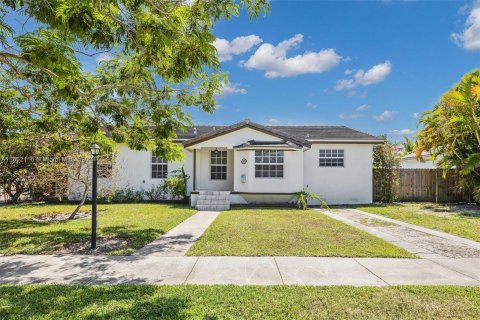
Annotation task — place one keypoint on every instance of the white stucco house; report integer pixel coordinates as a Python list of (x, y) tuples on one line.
[(250, 163)]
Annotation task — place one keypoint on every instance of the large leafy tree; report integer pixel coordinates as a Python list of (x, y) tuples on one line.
[(160, 60), (451, 130)]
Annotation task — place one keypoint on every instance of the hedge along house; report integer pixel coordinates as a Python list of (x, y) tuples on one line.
[(250, 163)]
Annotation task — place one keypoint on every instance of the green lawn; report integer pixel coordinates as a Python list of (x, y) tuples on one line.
[(237, 302), (288, 232), (139, 224), (461, 223)]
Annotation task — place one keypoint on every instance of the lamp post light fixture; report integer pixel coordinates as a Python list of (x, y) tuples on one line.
[(95, 150)]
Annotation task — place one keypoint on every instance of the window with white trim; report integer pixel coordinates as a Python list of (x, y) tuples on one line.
[(159, 168), (269, 163), (218, 165), (331, 157)]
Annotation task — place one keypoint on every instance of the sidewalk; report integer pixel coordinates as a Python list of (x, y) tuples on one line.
[(163, 261), (76, 269), (177, 241)]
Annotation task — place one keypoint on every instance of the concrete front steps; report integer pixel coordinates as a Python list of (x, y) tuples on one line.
[(213, 201)]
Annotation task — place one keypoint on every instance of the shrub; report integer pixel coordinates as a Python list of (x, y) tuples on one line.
[(155, 193), (176, 185), (304, 196), (128, 195), (387, 161)]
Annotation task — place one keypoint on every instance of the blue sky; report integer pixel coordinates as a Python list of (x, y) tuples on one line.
[(395, 60), (370, 65)]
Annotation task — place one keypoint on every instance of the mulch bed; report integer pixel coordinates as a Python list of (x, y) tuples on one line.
[(57, 217), (104, 246), (60, 217)]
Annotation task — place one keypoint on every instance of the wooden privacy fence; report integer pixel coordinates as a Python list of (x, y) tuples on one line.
[(426, 185)]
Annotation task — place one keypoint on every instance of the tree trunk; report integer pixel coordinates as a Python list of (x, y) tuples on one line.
[(79, 206)]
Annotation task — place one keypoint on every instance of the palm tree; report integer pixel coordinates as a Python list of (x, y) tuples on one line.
[(452, 130), (408, 145)]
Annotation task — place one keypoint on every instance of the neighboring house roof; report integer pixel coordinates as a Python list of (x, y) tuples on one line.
[(426, 156), (301, 135), (410, 161)]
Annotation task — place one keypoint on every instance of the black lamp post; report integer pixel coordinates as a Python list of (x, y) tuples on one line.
[(94, 149)]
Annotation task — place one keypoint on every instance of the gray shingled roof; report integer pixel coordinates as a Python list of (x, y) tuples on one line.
[(300, 132), (326, 133), (245, 124), (201, 130)]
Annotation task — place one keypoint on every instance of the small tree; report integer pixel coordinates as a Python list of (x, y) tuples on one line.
[(387, 162), (16, 167), (51, 179), (79, 172), (15, 178), (71, 173), (176, 185)]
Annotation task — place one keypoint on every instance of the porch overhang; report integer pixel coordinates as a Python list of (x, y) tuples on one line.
[(274, 145)]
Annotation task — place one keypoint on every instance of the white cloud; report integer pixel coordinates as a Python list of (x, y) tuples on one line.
[(227, 49), (311, 105), (348, 72), (401, 132), (469, 37), (274, 61), (345, 116), (416, 115), (375, 74), (362, 108), (360, 113), (232, 89), (104, 56), (273, 121), (385, 115)]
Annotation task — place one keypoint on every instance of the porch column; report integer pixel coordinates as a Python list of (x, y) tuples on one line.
[(194, 169)]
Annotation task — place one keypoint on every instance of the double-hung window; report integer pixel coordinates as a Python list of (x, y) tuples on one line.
[(332, 157), (218, 165), (269, 164), (159, 168)]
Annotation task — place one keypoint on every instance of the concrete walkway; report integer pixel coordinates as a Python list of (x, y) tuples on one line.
[(238, 270), (178, 240), (424, 242)]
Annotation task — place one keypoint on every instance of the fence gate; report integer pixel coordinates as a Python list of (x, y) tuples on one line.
[(426, 185)]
